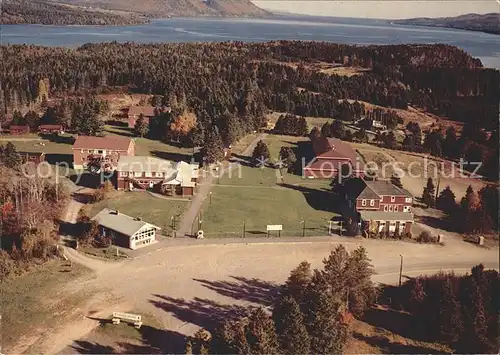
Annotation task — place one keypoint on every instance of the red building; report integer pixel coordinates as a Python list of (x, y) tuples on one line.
[(50, 128), (19, 130), (101, 152), (383, 206), (134, 112), (332, 156)]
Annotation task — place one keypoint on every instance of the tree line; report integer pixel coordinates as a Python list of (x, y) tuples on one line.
[(477, 212), (460, 311), (229, 86)]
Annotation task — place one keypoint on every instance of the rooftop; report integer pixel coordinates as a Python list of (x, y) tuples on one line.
[(384, 188), (333, 148), (120, 222), (108, 142)]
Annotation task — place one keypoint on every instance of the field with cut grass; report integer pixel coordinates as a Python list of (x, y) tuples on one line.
[(32, 300), (155, 210), (250, 198)]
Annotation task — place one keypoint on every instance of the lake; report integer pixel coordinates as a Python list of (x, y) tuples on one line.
[(340, 30)]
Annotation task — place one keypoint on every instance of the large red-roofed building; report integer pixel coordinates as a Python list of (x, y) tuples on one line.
[(330, 155), (103, 150)]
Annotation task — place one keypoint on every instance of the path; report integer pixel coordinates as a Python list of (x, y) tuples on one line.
[(194, 208)]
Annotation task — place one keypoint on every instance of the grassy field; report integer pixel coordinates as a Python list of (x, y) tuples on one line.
[(30, 301), (256, 197), (154, 210)]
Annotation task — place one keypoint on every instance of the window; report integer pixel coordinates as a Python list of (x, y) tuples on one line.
[(83, 158), (100, 151), (406, 209), (95, 151), (385, 208), (363, 202), (393, 198), (408, 200), (396, 208), (149, 174), (390, 208), (124, 173), (372, 203), (159, 174), (88, 151), (137, 174)]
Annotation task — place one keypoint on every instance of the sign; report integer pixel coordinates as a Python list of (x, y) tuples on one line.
[(274, 227)]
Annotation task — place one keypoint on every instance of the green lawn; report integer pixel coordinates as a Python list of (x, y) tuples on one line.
[(154, 210)]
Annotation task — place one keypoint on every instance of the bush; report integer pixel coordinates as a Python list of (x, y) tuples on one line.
[(426, 237)]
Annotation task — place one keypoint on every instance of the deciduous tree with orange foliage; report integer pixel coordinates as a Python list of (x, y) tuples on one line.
[(183, 124)]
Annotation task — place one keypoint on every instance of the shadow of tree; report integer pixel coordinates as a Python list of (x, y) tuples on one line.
[(243, 160), (440, 223), (320, 199), (388, 347), (171, 156), (152, 341), (56, 138), (199, 311), (245, 289), (397, 322)]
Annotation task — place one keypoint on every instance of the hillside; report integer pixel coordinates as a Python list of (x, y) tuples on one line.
[(41, 12), (489, 23), (165, 8)]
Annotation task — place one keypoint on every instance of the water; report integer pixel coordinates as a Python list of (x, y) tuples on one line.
[(340, 30)]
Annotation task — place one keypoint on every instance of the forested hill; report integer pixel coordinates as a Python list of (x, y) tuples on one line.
[(165, 8), (230, 84), (46, 13), (489, 23)]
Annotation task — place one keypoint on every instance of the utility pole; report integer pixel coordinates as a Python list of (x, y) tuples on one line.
[(340, 230), (244, 227), (400, 269), (210, 194), (303, 227)]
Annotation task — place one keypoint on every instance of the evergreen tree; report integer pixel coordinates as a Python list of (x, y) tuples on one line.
[(327, 332), (489, 201), (449, 318), (290, 326), (326, 130), (287, 156), (261, 333), (261, 154), (450, 143), (337, 129), (32, 119), (446, 201), (361, 135), (141, 127), (362, 291), (416, 296), (11, 157), (390, 140), (396, 181), (429, 193), (298, 281), (315, 133), (18, 118), (348, 136), (474, 337)]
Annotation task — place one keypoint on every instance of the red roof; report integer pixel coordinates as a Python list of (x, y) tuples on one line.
[(17, 127), (109, 142), (328, 148), (148, 111)]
